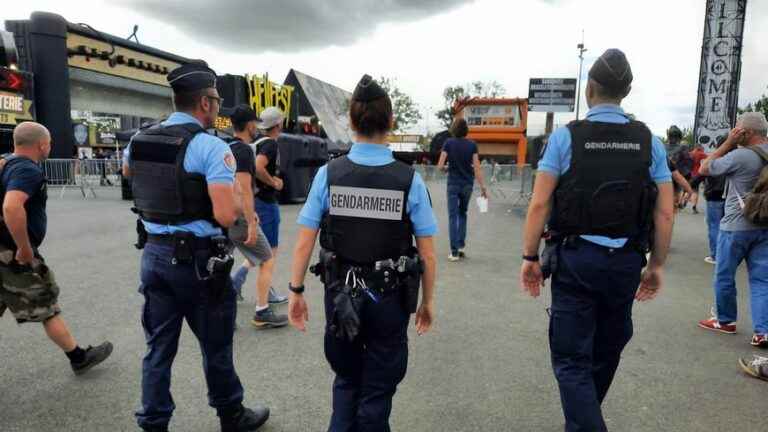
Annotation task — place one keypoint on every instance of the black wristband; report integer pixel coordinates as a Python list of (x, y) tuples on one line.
[(531, 258), (297, 290)]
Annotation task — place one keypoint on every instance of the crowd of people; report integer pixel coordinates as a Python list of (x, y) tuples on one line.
[(605, 194)]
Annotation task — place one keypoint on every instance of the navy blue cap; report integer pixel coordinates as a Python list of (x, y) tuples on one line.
[(612, 71), (368, 90), (192, 77)]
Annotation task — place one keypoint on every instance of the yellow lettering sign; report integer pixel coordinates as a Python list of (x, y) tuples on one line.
[(264, 93)]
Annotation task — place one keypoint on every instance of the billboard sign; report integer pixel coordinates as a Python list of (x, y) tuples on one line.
[(720, 71), (552, 94)]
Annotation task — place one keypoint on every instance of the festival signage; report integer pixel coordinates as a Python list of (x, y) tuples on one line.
[(720, 73), (264, 93)]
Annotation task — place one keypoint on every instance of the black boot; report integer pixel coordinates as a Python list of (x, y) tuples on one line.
[(244, 419)]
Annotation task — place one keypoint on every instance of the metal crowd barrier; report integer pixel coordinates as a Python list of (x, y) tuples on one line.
[(506, 182), (85, 175)]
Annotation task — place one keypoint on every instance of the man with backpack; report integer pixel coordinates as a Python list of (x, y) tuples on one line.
[(742, 159)]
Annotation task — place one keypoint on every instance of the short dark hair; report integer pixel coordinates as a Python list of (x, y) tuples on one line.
[(371, 118), (188, 101), (609, 93), (459, 128)]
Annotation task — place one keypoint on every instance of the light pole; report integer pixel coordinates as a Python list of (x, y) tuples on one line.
[(582, 50)]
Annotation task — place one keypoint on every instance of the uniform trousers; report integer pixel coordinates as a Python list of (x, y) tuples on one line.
[(173, 294), (368, 369), (593, 291)]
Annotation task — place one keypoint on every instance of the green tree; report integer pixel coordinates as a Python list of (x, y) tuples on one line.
[(761, 105), (405, 110), (451, 94)]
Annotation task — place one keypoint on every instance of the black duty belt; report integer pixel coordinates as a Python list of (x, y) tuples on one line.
[(197, 243)]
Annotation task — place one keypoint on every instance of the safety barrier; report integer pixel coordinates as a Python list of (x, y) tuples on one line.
[(505, 182), (84, 175)]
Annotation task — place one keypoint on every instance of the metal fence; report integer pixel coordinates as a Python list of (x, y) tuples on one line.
[(84, 175), (505, 182)]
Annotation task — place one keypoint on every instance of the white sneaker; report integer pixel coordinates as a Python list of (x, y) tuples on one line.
[(710, 260), (462, 254), (453, 258)]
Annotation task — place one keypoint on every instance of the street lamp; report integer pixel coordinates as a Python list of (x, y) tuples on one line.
[(582, 50)]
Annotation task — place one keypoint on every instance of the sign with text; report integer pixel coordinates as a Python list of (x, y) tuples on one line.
[(552, 94), (492, 116), (264, 93), (720, 74)]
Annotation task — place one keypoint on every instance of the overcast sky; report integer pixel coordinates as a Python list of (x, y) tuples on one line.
[(427, 45)]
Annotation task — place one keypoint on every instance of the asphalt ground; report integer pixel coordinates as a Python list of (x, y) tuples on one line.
[(484, 367)]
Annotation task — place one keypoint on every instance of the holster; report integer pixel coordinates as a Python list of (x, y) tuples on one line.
[(411, 279), (328, 269), (220, 265), (550, 255)]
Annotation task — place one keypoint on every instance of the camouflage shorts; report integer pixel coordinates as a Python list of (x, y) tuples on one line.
[(29, 292)]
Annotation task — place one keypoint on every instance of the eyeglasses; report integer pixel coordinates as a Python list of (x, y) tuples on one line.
[(220, 100)]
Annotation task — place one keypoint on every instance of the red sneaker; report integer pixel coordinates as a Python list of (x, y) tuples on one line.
[(760, 340), (715, 325)]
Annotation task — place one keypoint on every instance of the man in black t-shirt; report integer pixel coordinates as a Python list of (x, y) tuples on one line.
[(246, 234), (28, 288), (269, 182)]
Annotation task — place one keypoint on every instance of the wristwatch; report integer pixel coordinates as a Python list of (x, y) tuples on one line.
[(531, 258), (298, 290)]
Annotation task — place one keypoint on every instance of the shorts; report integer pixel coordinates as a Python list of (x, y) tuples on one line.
[(269, 216), (29, 292), (696, 182), (256, 254)]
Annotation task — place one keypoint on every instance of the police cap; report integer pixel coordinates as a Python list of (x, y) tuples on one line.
[(612, 71), (192, 77), (368, 90)]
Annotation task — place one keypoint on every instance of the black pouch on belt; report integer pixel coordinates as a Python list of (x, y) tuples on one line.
[(183, 247)]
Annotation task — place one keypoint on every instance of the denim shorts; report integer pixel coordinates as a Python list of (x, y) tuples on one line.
[(269, 216)]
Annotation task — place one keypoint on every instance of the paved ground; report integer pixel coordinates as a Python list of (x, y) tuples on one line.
[(485, 366)]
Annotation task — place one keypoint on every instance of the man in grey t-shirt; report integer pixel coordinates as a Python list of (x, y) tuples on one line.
[(740, 240)]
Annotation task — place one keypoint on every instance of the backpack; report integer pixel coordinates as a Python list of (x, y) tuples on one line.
[(756, 203)]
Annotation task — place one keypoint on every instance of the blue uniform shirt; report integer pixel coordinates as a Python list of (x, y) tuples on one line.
[(557, 158), (206, 155), (419, 207)]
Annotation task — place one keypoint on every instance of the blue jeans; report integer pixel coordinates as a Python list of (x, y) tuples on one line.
[(458, 204), (593, 290), (734, 247), (715, 212), (269, 219), (172, 294)]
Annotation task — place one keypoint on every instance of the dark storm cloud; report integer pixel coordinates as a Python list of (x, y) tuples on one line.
[(286, 25)]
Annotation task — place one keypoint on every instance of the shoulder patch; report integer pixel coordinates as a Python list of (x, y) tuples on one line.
[(229, 161)]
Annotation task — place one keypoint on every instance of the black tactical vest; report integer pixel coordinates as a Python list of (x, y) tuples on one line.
[(608, 189), (367, 221), (163, 191)]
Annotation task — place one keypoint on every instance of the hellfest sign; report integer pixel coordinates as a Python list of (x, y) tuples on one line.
[(262, 94), (720, 74)]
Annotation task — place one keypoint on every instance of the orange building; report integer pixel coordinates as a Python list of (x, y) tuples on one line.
[(498, 126)]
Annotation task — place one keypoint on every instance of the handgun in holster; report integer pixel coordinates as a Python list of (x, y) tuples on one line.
[(410, 269), (550, 254), (220, 264)]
